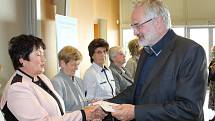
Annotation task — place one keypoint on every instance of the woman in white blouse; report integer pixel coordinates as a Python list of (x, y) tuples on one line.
[(98, 79)]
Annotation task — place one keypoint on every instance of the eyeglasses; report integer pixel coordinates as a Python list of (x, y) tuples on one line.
[(138, 26), (100, 52)]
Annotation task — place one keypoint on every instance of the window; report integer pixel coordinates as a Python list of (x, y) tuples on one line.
[(179, 31), (127, 35), (201, 36), (38, 10)]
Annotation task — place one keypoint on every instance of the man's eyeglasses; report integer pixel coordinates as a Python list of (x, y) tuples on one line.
[(138, 26)]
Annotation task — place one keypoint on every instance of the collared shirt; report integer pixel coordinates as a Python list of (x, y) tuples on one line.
[(1, 117), (151, 59), (71, 90), (99, 84)]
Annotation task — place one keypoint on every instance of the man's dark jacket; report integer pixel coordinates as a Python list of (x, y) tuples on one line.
[(175, 88)]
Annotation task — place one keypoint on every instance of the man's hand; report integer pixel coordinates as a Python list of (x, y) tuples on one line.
[(123, 112), (94, 113)]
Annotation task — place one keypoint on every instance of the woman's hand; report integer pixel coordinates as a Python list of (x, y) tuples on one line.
[(94, 113)]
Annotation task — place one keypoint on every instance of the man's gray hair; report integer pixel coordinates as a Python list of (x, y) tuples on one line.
[(155, 8)]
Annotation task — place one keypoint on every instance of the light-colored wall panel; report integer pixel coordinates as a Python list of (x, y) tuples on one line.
[(126, 7), (177, 10), (200, 11), (48, 33), (83, 11), (12, 23), (88, 12), (109, 10)]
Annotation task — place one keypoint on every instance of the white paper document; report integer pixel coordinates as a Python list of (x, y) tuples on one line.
[(107, 106)]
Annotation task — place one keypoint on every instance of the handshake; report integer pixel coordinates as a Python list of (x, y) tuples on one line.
[(98, 110)]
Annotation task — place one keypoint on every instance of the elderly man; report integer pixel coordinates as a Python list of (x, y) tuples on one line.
[(171, 76)]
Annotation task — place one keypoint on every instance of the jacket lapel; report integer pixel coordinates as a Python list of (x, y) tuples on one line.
[(156, 69), (126, 76), (140, 65), (121, 73)]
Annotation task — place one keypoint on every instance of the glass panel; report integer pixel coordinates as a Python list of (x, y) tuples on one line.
[(201, 36), (38, 10), (127, 35), (179, 31)]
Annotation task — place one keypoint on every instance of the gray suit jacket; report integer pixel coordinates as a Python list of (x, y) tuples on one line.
[(122, 79), (175, 87), (73, 95)]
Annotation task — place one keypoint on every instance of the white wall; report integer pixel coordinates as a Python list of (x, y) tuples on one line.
[(12, 23), (89, 11)]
